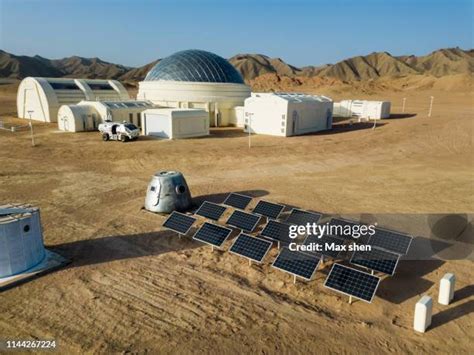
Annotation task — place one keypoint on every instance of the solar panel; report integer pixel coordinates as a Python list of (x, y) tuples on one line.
[(251, 247), (277, 231), (352, 282), (243, 220), (329, 244), (237, 200), (297, 263), (179, 222), (212, 234), (390, 240), (301, 217), (376, 259), (211, 210), (268, 209)]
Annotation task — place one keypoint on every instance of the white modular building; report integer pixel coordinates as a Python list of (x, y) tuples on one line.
[(175, 123), (42, 97), (363, 109), (87, 115), (287, 114), (196, 79)]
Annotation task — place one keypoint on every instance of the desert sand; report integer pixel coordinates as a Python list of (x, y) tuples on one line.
[(133, 286)]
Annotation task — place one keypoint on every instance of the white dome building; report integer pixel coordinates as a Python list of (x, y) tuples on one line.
[(196, 79)]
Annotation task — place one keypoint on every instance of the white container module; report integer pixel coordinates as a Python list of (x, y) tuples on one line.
[(175, 123), (287, 114), (446, 289), (423, 312), (364, 109)]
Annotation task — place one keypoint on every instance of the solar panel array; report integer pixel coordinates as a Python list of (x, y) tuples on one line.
[(377, 260), (211, 210), (243, 220), (352, 282), (390, 240), (268, 209), (250, 247), (277, 231), (387, 245), (325, 241), (212, 234), (179, 222), (301, 217), (297, 263), (237, 200)]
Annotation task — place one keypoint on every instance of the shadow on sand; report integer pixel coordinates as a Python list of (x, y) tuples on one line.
[(112, 248), (399, 116), (451, 314)]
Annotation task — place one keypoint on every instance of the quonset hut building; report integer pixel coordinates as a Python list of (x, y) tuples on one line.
[(196, 79), (42, 97)]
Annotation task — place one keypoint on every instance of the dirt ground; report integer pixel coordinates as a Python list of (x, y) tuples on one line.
[(133, 286)]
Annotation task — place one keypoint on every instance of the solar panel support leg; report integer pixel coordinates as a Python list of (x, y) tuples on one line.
[(212, 248), (294, 279), (250, 262), (372, 272), (278, 244), (179, 235), (350, 299)]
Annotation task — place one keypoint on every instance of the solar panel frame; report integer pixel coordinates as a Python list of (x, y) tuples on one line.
[(237, 205), (295, 211), (325, 239), (372, 264), (266, 230), (367, 275), (174, 216), (285, 250), (386, 231), (241, 213), (254, 239), (196, 235), (265, 205), (205, 206)]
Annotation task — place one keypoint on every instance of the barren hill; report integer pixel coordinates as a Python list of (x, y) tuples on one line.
[(89, 68), (18, 67), (252, 65), (376, 65)]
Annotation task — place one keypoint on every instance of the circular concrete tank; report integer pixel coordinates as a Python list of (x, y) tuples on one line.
[(21, 239), (167, 192)]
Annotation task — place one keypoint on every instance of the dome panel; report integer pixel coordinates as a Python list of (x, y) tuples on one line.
[(195, 66)]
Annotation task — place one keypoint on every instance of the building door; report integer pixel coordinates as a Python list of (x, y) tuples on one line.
[(294, 122), (130, 117)]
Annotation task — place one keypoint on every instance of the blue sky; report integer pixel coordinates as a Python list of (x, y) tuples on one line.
[(136, 32)]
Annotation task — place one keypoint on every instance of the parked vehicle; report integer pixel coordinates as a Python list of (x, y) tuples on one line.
[(116, 131)]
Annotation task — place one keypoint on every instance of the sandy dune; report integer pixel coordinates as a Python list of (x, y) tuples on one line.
[(133, 286)]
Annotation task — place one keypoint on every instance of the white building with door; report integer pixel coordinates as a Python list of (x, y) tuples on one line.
[(196, 79), (363, 109), (287, 114), (175, 123), (42, 97), (87, 115)]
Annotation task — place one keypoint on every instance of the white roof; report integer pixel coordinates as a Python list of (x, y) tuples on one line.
[(120, 104), (294, 96), (179, 112)]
